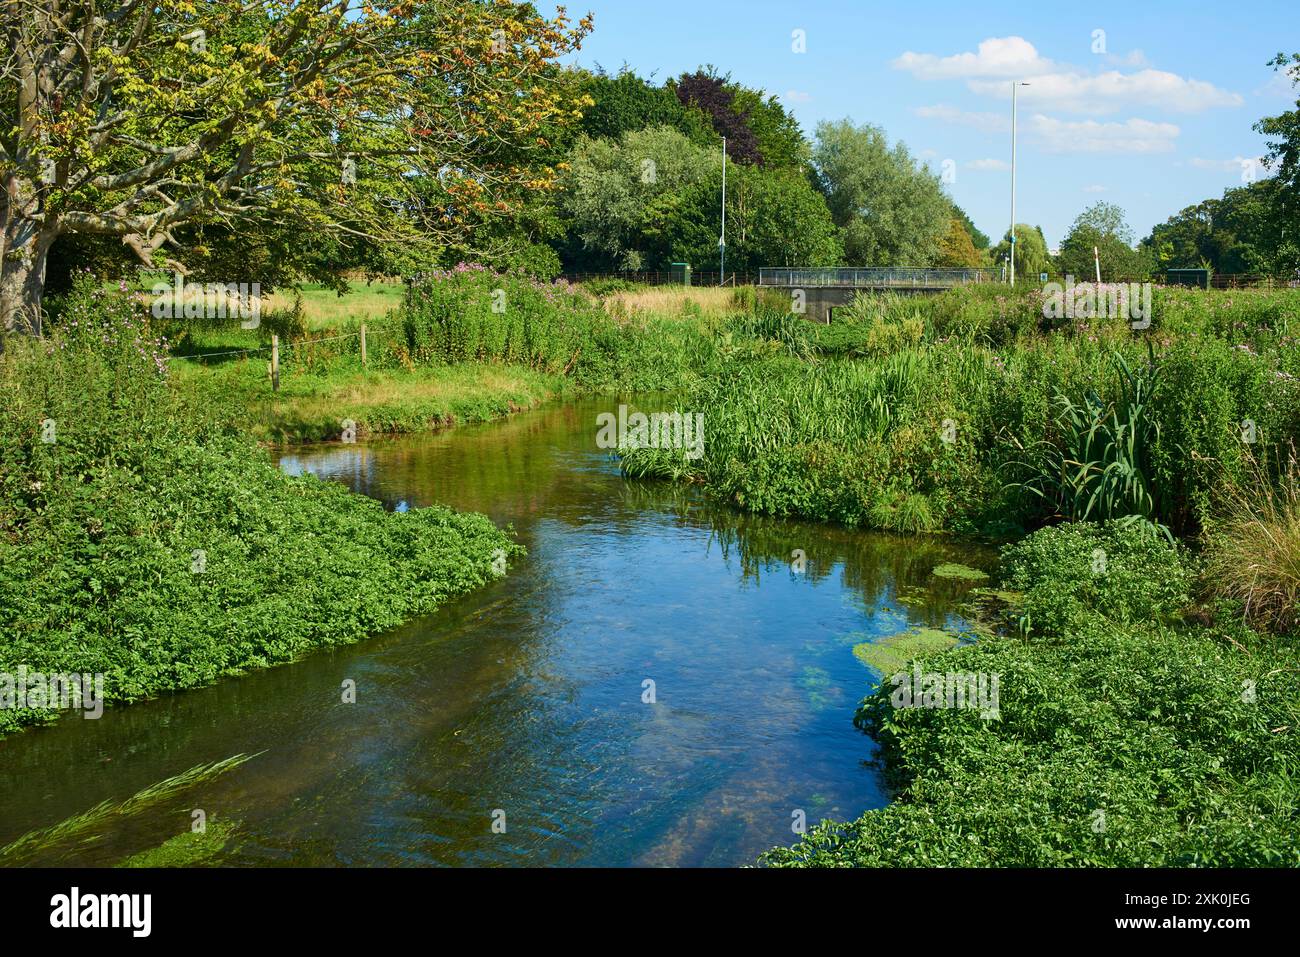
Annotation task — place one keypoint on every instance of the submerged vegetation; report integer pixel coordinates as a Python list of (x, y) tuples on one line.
[(91, 825)]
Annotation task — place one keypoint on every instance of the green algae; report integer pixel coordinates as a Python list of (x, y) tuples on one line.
[(892, 654), (962, 572)]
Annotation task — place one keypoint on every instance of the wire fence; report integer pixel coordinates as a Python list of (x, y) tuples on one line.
[(305, 348)]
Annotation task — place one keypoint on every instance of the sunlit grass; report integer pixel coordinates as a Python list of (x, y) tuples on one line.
[(673, 300), (310, 406)]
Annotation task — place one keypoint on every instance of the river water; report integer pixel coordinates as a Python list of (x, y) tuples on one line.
[(513, 726)]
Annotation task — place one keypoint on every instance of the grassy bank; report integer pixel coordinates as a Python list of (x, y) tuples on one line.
[(144, 540), (970, 412), (461, 346), (1127, 736), (1150, 697)]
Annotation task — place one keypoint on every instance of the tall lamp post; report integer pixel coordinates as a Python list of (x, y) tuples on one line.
[(722, 243), (1014, 85)]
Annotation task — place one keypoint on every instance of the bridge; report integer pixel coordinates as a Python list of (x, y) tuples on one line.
[(825, 289)]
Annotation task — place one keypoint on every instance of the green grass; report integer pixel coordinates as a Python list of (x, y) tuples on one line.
[(310, 406)]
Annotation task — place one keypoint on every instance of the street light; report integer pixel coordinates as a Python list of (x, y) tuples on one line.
[(1014, 85), (722, 242)]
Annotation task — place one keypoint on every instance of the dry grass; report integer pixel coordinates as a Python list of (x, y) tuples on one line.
[(1253, 552), (711, 301)]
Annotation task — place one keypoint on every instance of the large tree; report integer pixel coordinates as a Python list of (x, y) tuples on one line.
[(1032, 256), (956, 249), (1246, 231), (383, 124), (615, 189), (774, 218), (890, 209), (1283, 132), (1102, 227)]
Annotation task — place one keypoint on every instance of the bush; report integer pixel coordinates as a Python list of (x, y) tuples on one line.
[(1080, 572), (148, 545)]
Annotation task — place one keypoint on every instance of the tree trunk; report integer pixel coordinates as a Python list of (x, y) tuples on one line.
[(22, 279)]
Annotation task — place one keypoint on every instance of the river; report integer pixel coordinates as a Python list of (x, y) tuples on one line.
[(656, 683)]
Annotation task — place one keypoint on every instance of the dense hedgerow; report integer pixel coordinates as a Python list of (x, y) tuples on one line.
[(1121, 740), (103, 528)]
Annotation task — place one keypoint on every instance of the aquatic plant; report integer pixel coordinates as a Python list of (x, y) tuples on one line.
[(90, 825)]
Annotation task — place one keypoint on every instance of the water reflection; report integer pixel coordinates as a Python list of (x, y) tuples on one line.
[(526, 700)]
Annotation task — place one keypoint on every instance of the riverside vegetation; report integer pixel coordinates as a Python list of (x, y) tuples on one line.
[(1148, 713)]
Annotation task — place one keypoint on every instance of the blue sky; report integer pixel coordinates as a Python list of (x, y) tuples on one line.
[(1159, 120)]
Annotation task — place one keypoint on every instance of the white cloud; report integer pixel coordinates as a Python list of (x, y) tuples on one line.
[(997, 56), (1281, 84), (1095, 188), (988, 165), (1091, 136), (1134, 59), (1058, 86), (989, 122), (796, 96), (1113, 91)]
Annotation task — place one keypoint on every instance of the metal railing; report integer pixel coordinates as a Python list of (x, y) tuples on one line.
[(875, 277), (665, 277)]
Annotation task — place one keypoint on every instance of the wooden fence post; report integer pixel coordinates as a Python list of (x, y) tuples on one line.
[(275, 362), (363, 345)]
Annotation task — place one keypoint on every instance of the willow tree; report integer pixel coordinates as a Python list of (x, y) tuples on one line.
[(399, 123)]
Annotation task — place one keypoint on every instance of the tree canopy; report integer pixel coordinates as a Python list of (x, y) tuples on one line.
[(373, 125), (890, 209), (1102, 226)]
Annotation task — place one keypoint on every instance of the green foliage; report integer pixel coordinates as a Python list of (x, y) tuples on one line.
[(1032, 257), (1120, 742), (80, 829), (956, 249), (614, 190), (1070, 417), (625, 103), (470, 314), (1072, 573), (187, 849), (1102, 226), (101, 529), (1283, 132), (1243, 232), (1099, 465), (891, 210)]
